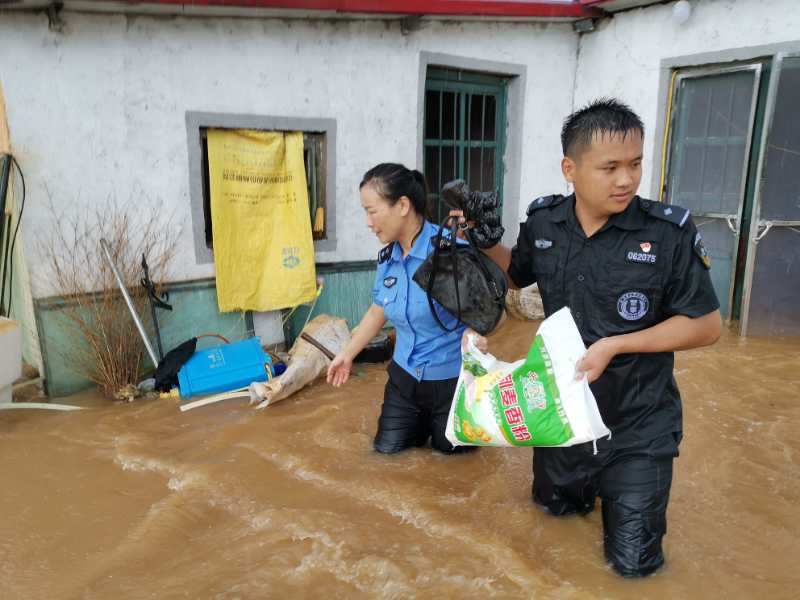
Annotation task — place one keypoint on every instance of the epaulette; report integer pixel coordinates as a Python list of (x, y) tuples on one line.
[(385, 253), (544, 202), (676, 215)]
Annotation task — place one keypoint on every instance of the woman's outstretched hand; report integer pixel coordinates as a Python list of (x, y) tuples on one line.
[(339, 370)]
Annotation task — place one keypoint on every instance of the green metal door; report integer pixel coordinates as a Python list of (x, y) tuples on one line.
[(772, 277), (710, 142)]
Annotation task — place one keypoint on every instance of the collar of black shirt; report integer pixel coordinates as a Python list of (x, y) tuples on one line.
[(631, 219)]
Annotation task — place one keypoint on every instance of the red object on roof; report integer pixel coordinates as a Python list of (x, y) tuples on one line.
[(497, 8)]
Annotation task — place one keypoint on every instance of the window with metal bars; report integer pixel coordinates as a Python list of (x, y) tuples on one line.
[(464, 132), (708, 149), (315, 160)]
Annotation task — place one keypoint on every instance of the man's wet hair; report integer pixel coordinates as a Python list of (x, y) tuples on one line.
[(604, 116)]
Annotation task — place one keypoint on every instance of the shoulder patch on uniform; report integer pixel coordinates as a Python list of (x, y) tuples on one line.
[(385, 253), (676, 215), (544, 202), (701, 252)]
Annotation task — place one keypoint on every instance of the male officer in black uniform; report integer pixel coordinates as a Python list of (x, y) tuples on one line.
[(635, 275)]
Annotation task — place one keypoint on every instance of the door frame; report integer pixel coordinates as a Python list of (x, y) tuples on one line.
[(735, 226), (756, 231)]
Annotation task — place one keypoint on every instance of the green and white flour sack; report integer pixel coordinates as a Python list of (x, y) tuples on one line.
[(535, 401)]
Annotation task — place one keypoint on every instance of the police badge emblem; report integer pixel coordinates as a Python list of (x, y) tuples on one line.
[(632, 306), (700, 250)]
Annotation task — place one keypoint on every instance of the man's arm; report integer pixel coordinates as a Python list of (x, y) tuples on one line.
[(676, 333), (499, 253)]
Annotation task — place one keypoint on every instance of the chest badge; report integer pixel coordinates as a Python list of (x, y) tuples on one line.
[(632, 306), (543, 244), (645, 257), (389, 281)]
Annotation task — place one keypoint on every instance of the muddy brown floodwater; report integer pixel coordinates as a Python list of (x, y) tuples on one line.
[(143, 501)]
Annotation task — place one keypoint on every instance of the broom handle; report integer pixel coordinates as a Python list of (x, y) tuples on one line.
[(129, 302)]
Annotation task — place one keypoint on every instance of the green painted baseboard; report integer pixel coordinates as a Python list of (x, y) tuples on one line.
[(194, 312)]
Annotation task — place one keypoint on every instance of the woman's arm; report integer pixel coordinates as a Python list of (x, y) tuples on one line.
[(371, 323)]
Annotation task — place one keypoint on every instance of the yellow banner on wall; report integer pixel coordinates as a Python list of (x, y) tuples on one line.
[(263, 249)]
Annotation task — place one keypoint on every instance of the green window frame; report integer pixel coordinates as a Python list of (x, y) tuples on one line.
[(464, 132)]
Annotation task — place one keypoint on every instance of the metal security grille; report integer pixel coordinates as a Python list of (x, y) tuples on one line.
[(465, 123)]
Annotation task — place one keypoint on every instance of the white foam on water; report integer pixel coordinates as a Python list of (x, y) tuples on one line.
[(262, 520), (330, 552), (290, 464), (378, 577), (484, 585), (177, 478), (140, 463), (408, 512)]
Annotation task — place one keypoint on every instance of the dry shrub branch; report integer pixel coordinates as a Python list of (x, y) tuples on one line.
[(105, 346)]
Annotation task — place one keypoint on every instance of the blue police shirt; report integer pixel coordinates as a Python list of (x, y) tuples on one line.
[(422, 349)]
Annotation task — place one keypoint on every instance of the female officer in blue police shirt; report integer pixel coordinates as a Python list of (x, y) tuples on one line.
[(426, 361)]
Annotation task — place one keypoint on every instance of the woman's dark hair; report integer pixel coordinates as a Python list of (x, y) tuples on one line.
[(392, 181)]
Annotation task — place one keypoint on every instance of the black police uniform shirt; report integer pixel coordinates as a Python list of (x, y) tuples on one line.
[(643, 266)]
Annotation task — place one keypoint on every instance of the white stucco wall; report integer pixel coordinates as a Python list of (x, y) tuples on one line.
[(99, 111), (623, 57)]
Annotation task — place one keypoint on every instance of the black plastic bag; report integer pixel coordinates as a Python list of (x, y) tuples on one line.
[(166, 374), (479, 208), (464, 281)]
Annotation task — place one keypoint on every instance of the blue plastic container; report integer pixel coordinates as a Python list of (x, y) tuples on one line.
[(224, 368)]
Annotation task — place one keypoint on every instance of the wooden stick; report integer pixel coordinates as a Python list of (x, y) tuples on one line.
[(38, 405), (26, 383), (5, 136), (240, 393)]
